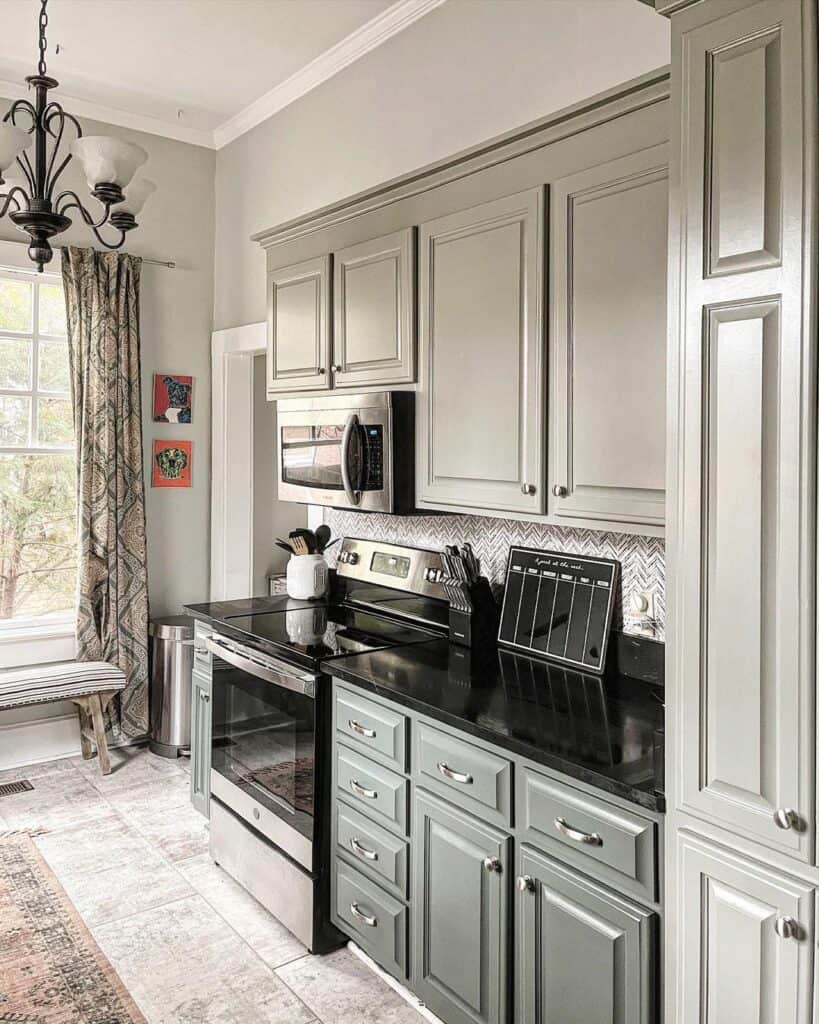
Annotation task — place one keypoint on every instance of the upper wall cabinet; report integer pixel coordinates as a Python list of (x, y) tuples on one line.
[(481, 425), (298, 312), (609, 246), (374, 312)]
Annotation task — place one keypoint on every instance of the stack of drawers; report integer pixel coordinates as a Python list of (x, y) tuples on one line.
[(370, 828)]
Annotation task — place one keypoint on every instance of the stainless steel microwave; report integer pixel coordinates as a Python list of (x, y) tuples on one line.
[(348, 451)]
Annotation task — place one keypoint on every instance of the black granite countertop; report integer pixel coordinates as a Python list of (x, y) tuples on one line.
[(219, 611), (603, 730)]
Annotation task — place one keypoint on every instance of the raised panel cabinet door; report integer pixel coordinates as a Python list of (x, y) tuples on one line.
[(201, 717), (744, 384), (746, 949), (374, 312), (609, 254), (584, 954), (460, 883), (298, 326), (481, 411)]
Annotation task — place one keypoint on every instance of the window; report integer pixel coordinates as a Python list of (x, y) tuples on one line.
[(38, 561)]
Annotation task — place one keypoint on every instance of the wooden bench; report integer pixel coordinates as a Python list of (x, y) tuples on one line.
[(89, 684)]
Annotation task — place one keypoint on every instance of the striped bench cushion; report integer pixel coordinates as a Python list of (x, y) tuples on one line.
[(40, 683)]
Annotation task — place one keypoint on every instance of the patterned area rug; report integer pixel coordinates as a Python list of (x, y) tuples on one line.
[(51, 970)]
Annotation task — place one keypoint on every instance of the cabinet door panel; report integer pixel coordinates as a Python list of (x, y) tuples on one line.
[(480, 406), (745, 388), (609, 244), (200, 742), (734, 966), (566, 923), (460, 908), (374, 307), (298, 308)]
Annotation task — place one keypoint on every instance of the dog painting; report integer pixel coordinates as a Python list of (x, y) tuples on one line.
[(171, 464), (172, 398)]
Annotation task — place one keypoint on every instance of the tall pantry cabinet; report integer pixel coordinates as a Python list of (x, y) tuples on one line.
[(741, 682)]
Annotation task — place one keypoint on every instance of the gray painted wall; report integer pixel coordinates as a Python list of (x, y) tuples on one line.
[(177, 224), (462, 74)]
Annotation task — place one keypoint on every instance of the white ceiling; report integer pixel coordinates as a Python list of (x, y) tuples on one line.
[(200, 70)]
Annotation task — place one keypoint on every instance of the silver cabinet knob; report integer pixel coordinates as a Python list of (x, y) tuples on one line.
[(205, 697), (527, 488), (787, 928), (335, 368), (321, 369), (526, 883), (786, 818), (559, 491), (493, 864)]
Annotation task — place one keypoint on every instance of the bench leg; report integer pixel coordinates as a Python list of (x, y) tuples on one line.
[(95, 709), (85, 725)]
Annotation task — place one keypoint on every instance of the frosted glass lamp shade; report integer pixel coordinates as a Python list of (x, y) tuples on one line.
[(108, 161), (136, 196), (12, 142)]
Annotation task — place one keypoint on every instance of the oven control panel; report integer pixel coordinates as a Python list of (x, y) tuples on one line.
[(415, 570)]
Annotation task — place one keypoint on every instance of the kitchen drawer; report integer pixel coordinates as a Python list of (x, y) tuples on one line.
[(376, 852), (606, 841), (475, 779), (201, 655), (378, 792), (373, 918), (372, 727)]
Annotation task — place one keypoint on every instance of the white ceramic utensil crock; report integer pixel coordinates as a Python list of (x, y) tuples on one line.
[(307, 577)]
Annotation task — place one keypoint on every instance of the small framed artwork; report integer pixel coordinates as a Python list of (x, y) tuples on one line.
[(172, 463), (173, 398)]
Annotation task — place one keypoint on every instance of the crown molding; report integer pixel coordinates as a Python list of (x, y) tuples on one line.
[(353, 47), (117, 117)]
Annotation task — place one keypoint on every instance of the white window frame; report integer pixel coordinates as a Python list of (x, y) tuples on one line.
[(46, 638)]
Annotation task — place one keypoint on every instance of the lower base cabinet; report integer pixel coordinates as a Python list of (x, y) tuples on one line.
[(460, 885), (584, 954), (201, 742), (746, 940)]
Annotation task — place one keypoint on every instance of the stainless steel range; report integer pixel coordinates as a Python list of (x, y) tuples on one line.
[(270, 770)]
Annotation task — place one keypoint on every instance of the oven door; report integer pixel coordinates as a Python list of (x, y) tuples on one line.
[(337, 457), (264, 745)]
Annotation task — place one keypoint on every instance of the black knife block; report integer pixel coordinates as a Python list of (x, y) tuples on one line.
[(478, 625)]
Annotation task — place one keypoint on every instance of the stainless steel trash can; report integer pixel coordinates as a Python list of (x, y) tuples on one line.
[(171, 669)]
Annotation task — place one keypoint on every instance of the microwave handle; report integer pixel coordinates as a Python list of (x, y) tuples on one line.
[(353, 496)]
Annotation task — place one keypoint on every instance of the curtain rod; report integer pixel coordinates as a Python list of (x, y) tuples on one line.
[(160, 263)]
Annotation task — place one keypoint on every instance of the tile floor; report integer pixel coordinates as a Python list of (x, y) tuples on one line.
[(191, 946)]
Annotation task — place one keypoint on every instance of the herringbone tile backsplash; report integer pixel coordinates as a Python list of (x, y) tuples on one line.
[(642, 559)]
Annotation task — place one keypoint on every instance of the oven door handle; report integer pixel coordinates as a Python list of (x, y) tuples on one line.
[(353, 496), (279, 674)]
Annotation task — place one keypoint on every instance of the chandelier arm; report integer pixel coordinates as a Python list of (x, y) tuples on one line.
[(53, 110), (49, 182), (109, 245), (26, 108), (76, 204), (24, 164), (10, 198)]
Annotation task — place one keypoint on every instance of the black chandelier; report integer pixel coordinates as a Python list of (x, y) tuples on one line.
[(28, 193)]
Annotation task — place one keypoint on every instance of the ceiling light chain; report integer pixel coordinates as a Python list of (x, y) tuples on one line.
[(27, 194)]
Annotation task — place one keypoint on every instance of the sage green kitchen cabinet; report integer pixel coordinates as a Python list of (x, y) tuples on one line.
[(608, 265), (374, 312), (746, 943), (460, 883), (298, 327), (583, 953), (480, 409), (201, 728), (743, 383)]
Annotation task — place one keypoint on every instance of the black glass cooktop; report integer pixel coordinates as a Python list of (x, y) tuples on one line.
[(323, 631)]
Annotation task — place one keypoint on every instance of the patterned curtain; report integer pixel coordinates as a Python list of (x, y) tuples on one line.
[(102, 300)]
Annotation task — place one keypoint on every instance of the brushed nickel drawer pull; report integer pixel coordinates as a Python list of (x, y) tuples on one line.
[(362, 851), (450, 773), (356, 911), (589, 838), (359, 790), (362, 730)]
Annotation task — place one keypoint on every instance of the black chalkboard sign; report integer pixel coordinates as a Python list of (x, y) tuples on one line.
[(559, 606)]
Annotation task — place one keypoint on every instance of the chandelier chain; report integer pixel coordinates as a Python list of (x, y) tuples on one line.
[(41, 67)]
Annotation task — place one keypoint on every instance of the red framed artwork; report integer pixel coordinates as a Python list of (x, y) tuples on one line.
[(173, 398), (172, 463)]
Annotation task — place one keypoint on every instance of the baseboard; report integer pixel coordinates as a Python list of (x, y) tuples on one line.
[(402, 991), (43, 739)]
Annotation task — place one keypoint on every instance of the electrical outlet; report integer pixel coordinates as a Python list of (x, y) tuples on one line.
[(642, 604)]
